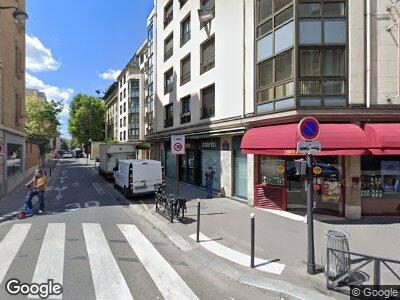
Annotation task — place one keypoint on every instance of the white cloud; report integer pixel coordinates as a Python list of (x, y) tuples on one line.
[(110, 74), (38, 57), (55, 93)]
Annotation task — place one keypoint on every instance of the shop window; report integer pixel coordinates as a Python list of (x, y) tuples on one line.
[(14, 159), (271, 171), (380, 177)]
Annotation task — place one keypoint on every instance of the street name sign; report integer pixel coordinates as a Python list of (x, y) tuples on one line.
[(309, 147), (178, 144), (309, 129)]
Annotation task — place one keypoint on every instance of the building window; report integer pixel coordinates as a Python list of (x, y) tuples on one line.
[(14, 159), (185, 70), (169, 115), (120, 109), (168, 13), (125, 107), (124, 135), (275, 27), (18, 62), (169, 47), (18, 109), (322, 23), (120, 96), (185, 30), (207, 55), (182, 3), (124, 93), (322, 77), (120, 123), (275, 79), (169, 81), (208, 102), (185, 110), (120, 136), (124, 121)]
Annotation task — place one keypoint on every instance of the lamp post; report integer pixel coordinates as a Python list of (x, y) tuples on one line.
[(19, 15)]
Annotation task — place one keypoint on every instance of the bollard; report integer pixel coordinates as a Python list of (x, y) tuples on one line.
[(252, 237), (198, 221)]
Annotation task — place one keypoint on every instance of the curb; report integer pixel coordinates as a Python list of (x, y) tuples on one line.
[(277, 287)]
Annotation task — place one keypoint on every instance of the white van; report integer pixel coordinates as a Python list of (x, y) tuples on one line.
[(110, 154), (137, 176)]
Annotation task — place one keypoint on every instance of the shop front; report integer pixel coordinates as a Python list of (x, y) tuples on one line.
[(351, 171), (239, 169), (211, 157)]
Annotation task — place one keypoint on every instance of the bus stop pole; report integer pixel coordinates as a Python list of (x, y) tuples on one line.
[(310, 218)]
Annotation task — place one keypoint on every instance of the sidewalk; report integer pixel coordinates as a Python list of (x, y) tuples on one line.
[(13, 202), (281, 239)]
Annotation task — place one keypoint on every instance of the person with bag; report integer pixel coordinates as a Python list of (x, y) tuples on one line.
[(209, 180)]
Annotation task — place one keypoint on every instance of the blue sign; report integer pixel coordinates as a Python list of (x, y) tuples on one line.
[(309, 128)]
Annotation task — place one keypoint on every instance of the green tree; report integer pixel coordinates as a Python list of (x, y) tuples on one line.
[(42, 121), (87, 119)]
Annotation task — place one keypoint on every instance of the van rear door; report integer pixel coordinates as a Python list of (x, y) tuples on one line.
[(140, 175)]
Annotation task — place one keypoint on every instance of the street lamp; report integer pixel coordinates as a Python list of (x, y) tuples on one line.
[(19, 15)]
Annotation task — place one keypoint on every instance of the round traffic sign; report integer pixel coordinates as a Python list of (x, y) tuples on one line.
[(178, 147), (309, 128)]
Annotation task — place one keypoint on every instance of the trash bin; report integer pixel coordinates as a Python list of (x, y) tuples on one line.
[(339, 263)]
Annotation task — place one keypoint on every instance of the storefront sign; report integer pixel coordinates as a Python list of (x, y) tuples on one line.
[(317, 170), (225, 146), (308, 147), (178, 144), (210, 144)]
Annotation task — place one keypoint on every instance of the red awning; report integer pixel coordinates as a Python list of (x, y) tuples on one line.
[(383, 139), (335, 139)]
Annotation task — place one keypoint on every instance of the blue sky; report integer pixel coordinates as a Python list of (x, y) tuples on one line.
[(78, 46)]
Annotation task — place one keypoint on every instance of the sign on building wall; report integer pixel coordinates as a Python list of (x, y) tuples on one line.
[(178, 144)]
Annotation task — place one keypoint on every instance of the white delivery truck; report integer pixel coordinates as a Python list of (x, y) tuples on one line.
[(111, 154), (137, 176)]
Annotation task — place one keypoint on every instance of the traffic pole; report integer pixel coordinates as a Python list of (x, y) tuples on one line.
[(177, 175), (310, 218), (198, 221), (252, 239)]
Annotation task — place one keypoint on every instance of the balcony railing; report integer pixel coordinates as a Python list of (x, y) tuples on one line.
[(207, 64), (186, 117), (169, 88), (207, 112), (168, 123)]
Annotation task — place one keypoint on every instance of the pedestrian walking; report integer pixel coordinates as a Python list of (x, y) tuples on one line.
[(39, 185), (209, 180)]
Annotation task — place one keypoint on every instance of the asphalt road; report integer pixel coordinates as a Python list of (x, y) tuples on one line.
[(96, 247)]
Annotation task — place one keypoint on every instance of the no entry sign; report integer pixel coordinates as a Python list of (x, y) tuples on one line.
[(178, 144), (309, 128)]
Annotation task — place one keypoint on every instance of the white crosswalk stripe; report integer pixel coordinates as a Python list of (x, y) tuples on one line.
[(50, 264), (108, 280), (107, 277), (10, 245), (169, 283)]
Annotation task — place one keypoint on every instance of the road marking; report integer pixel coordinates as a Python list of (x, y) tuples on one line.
[(92, 204), (179, 241), (107, 278), (169, 283), (50, 264), (238, 257), (145, 206), (285, 214), (98, 188), (10, 245)]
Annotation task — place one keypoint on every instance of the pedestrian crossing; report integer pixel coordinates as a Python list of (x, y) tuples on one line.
[(109, 282)]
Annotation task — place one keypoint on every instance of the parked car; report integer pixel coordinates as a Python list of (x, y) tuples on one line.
[(78, 153), (67, 155), (137, 176)]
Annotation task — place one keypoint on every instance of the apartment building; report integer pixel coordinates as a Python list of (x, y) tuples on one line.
[(111, 101), (12, 95), (337, 61), (201, 89)]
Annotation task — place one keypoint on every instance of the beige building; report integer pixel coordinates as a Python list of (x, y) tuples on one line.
[(111, 100), (12, 95)]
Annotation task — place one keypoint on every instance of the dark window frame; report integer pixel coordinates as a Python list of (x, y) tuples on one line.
[(168, 121), (168, 52), (168, 88), (185, 78), (186, 114), (185, 36), (168, 17), (207, 112), (205, 67)]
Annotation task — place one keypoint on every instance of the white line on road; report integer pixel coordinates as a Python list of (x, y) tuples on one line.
[(98, 188), (50, 264), (107, 277), (169, 283), (238, 257), (10, 245)]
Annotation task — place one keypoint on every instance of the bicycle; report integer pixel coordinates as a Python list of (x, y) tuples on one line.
[(175, 206), (26, 211)]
